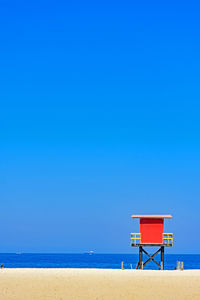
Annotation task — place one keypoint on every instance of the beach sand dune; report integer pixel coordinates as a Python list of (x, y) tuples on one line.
[(98, 284)]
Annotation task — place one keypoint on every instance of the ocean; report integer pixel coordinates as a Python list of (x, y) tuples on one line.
[(86, 260)]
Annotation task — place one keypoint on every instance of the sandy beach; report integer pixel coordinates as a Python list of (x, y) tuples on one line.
[(93, 284)]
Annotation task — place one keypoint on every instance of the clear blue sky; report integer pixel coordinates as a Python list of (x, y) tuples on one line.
[(99, 118)]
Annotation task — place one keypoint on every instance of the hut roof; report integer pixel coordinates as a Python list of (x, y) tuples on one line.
[(152, 216)]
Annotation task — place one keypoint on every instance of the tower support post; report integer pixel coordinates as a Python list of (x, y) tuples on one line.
[(162, 257), (140, 258)]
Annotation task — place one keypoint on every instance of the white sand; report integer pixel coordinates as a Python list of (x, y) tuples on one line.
[(93, 284)]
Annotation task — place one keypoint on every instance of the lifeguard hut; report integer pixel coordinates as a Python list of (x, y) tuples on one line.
[(151, 235)]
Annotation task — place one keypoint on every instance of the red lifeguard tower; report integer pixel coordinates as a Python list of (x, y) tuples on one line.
[(151, 235)]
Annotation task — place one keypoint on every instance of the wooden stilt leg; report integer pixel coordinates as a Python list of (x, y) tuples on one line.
[(140, 258), (162, 258)]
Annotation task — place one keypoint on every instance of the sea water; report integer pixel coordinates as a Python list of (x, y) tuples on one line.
[(87, 260)]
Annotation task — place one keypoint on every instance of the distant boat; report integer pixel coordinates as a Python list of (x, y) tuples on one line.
[(91, 252)]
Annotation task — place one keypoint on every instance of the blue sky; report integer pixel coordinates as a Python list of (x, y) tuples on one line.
[(99, 119)]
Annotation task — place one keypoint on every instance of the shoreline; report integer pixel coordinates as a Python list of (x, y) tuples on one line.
[(98, 269)]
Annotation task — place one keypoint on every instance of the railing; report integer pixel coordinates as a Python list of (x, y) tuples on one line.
[(168, 239), (134, 238)]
